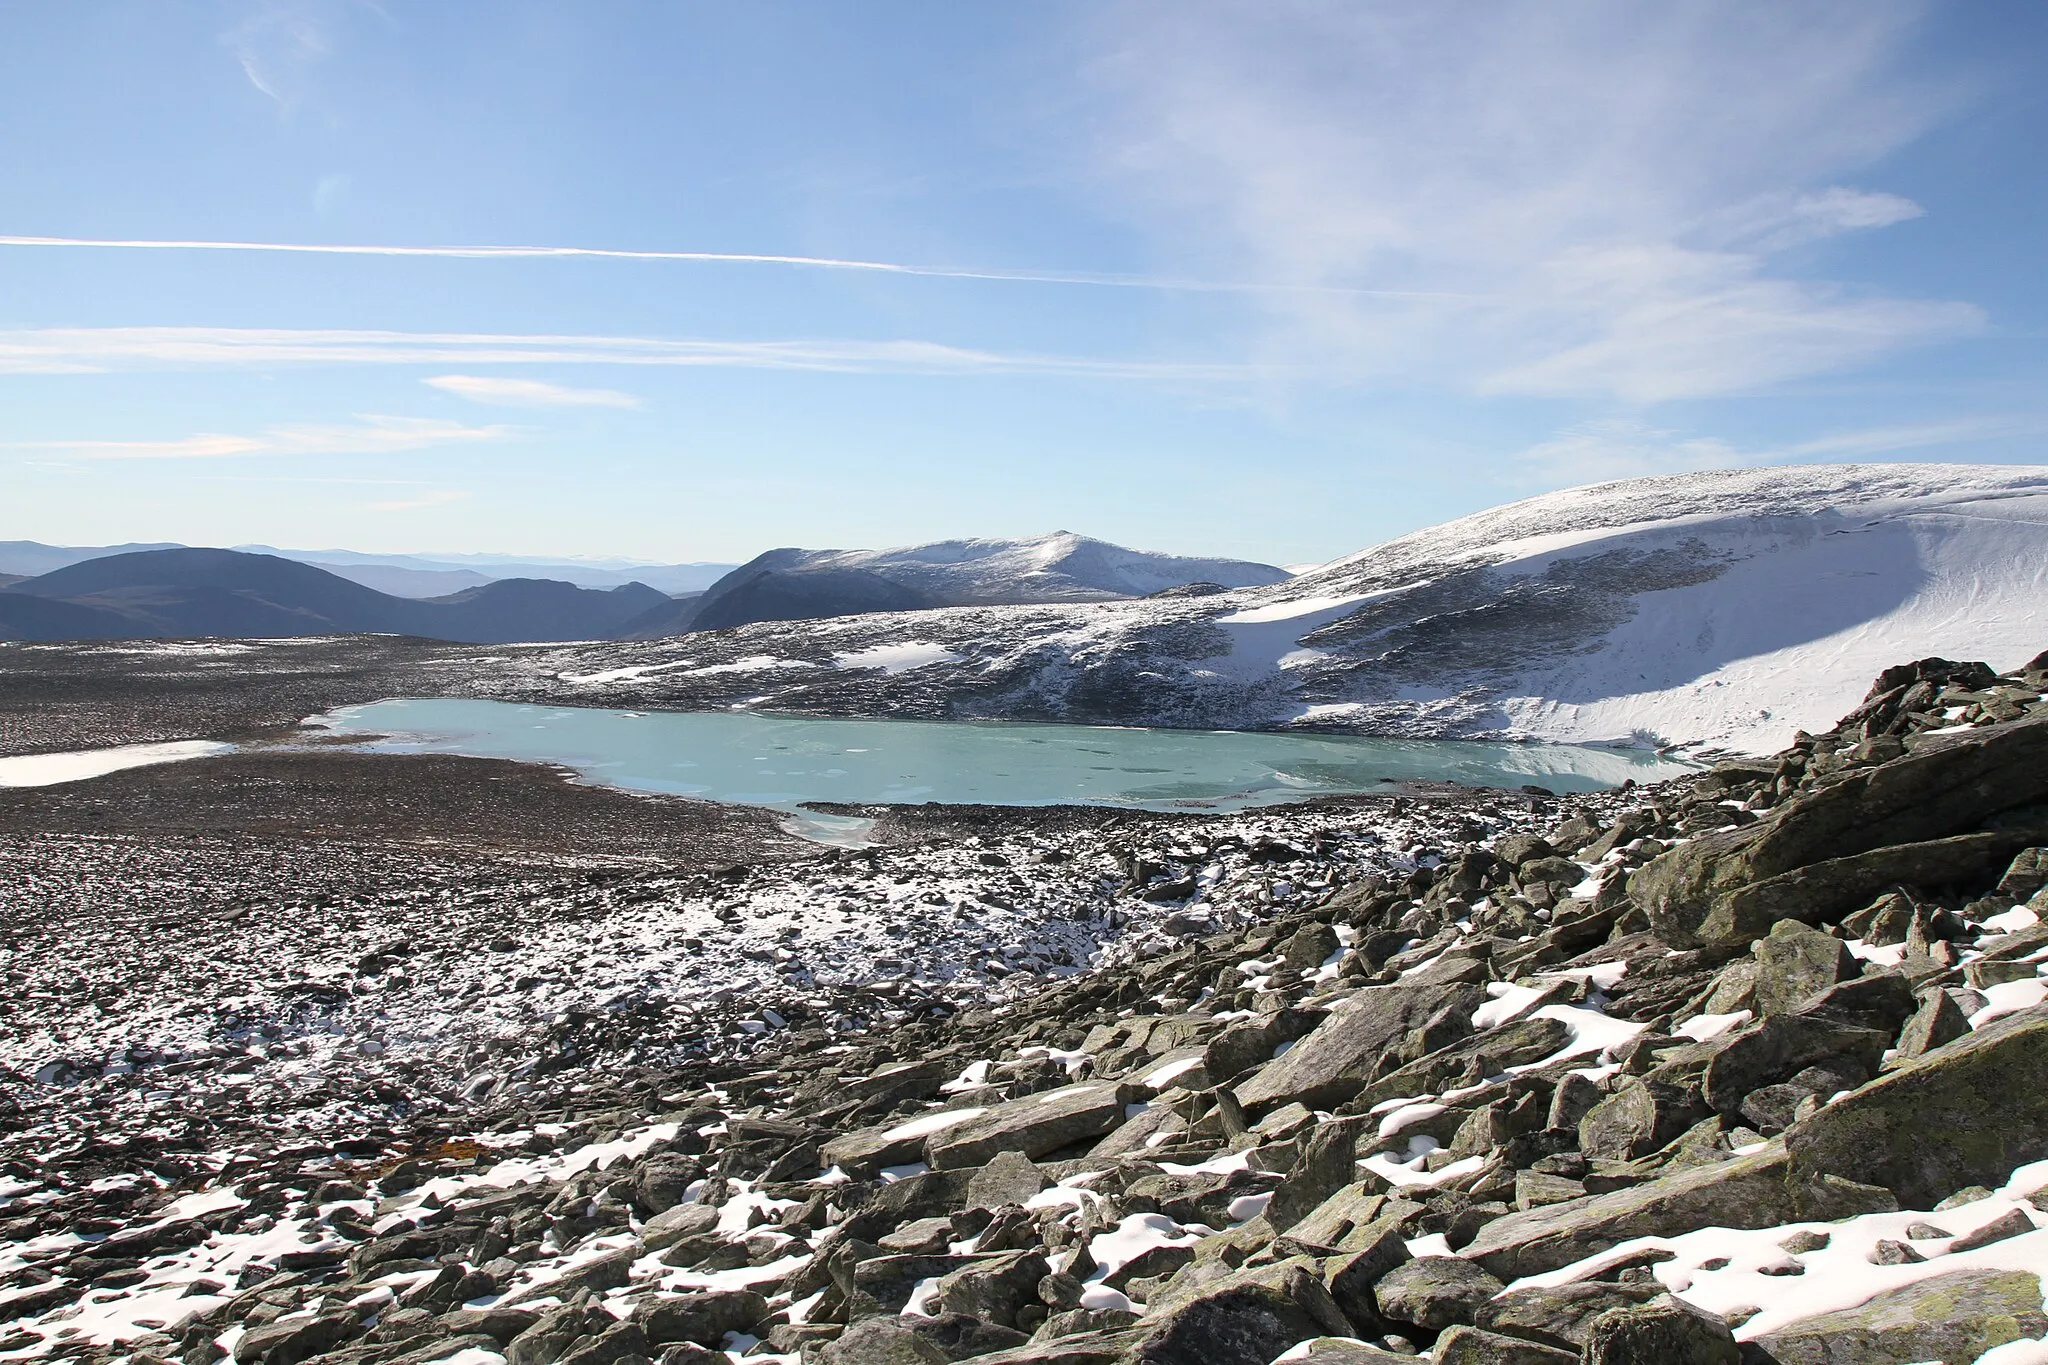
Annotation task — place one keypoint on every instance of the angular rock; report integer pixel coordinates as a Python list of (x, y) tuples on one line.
[(1434, 1292), (993, 1289), (1881, 1001), (288, 1343), (500, 1324), (1638, 1117), (1560, 1315), (1952, 1317), (1351, 1279), (1327, 1163), (675, 1223), (1472, 1346), (1347, 1049), (702, 1318), (1757, 1191), (1034, 1125), (1773, 1049), (1938, 1021), (616, 1343), (2013, 1223), (1710, 889), (608, 1271), (1513, 1044), (1345, 1351), (554, 1333), (1664, 1331), (1794, 962), (1008, 1178), (1965, 1114), (1241, 1325), (882, 1341)]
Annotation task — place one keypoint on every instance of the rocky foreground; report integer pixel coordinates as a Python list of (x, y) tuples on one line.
[(1748, 1068)]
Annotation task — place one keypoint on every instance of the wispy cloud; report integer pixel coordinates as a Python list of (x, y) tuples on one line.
[(1100, 279), (1606, 187), (82, 350), (528, 393), (277, 41), (370, 434), (1626, 448)]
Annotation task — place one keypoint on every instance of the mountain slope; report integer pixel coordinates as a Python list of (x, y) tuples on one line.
[(805, 585), (198, 592), (1725, 607)]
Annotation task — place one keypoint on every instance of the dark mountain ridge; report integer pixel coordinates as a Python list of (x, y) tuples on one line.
[(177, 593)]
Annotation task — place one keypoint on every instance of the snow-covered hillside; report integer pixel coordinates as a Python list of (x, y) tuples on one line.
[(1061, 567), (1724, 608)]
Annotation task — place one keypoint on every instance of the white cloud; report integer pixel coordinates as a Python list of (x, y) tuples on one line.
[(1592, 190), (1627, 448), (371, 434), (528, 393), (84, 350)]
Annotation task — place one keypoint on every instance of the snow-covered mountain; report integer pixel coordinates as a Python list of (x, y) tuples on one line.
[(1723, 608), (804, 585), (1061, 567)]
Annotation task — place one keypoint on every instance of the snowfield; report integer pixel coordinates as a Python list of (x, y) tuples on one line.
[(1722, 609)]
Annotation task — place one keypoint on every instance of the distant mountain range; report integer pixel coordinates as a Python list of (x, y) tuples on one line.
[(183, 592), (177, 591), (422, 575)]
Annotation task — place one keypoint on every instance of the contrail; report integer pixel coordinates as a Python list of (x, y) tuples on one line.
[(1101, 280)]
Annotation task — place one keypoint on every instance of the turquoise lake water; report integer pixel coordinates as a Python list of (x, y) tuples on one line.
[(782, 761)]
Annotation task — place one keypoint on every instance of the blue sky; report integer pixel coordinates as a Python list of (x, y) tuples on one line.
[(1272, 279)]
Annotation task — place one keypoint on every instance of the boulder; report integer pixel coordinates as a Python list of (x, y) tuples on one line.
[(1794, 962), (1327, 1163), (993, 1289), (882, 1341), (1348, 1048), (865, 1151), (1518, 1043), (297, 1339), (554, 1333), (673, 1224), (959, 1337), (1952, 1317), (702, 1318), (1638, 1117), (1706, 890), (1345, 1351), (1560, 1315), (1938, 1021), (884, 1284), (1757, 1191), (1881, 1001), (1664, 1331), (1472, 1346), (615, 1343), (1034, 1125), (1351, 1279), (499, 1324), (1244, 1324), (1964, 1114), (1730, 1067), (1008, 1178), (1434, 1292)]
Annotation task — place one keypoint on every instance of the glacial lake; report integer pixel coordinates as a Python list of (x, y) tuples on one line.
[(781, 761)]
